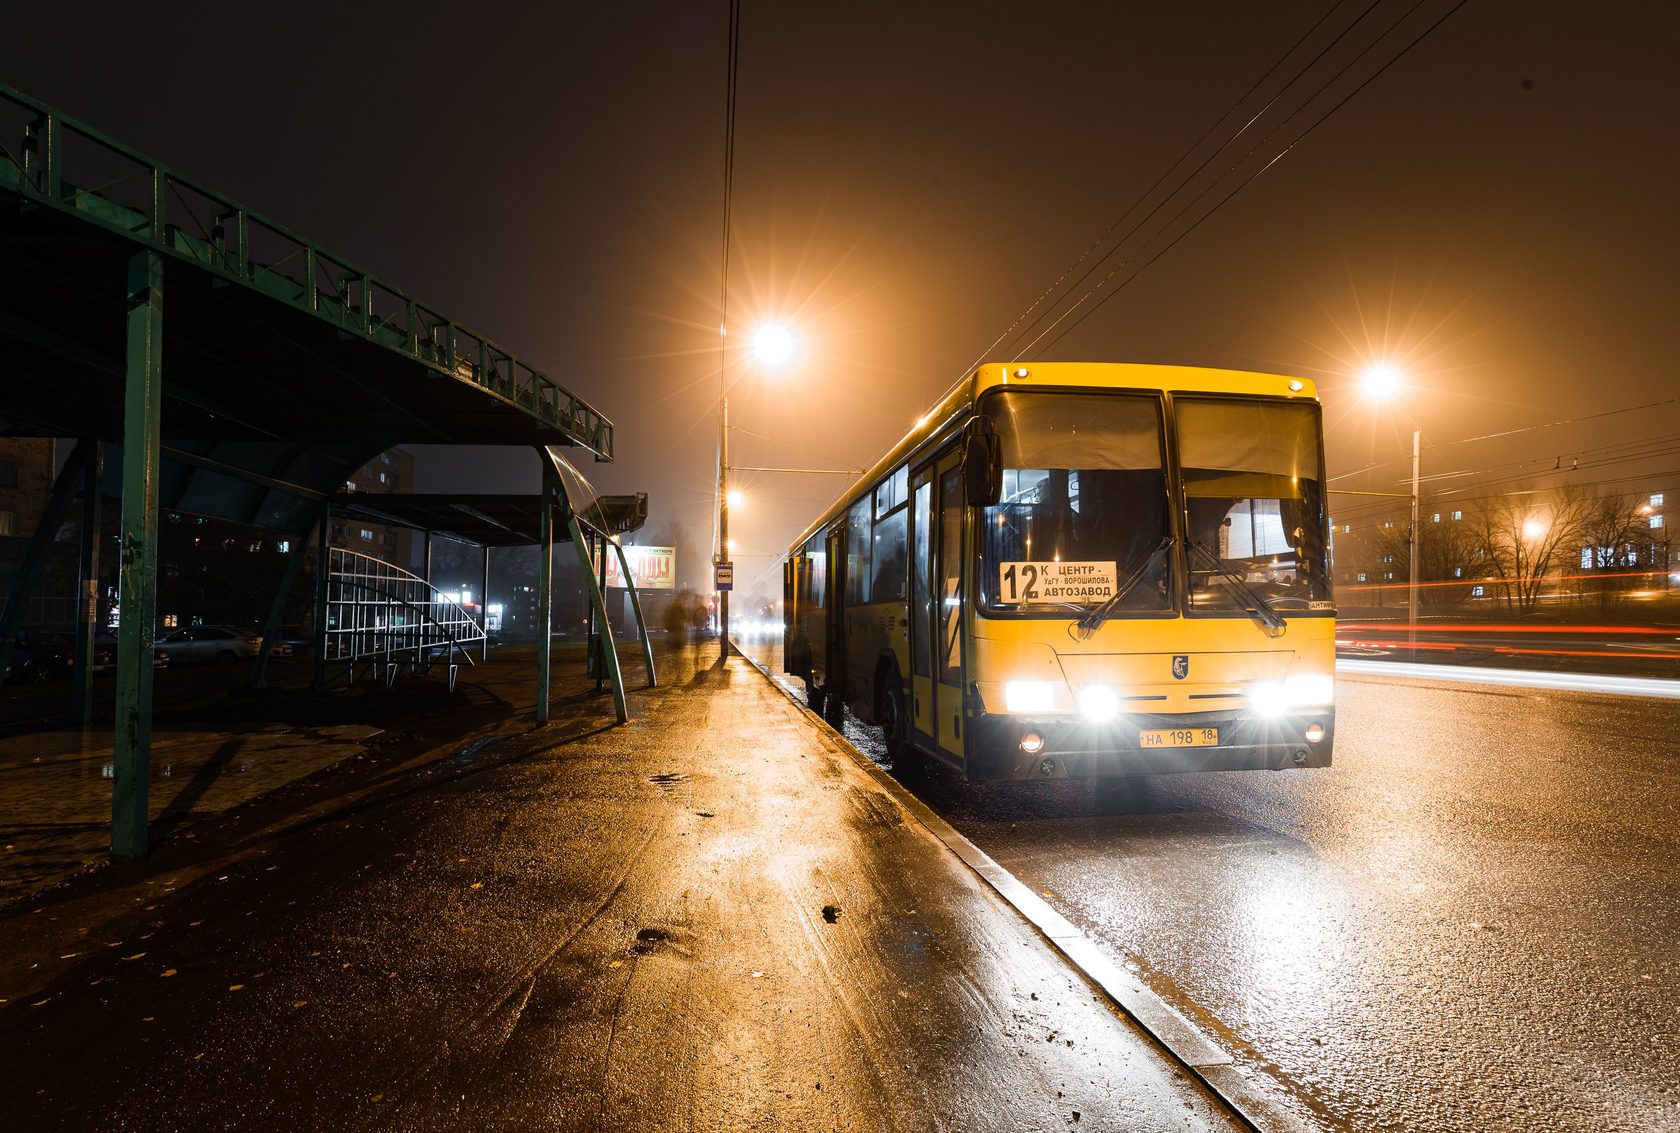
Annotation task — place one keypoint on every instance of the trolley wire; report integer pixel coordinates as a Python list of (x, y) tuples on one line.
[(1168, 172), (1245, 182)]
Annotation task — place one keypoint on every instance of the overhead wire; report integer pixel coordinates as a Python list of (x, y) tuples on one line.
[(1168, 172), (1245, 182)]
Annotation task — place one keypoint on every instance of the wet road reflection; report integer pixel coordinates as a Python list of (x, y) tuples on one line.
[(1468, 922)]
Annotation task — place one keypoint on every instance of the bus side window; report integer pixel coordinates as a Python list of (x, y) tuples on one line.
[(890, 535), (950, 576), (921, 654)]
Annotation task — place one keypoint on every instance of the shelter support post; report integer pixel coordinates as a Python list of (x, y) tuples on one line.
[(288, 579), (592, 650), (87, 586), (29, 570), (609, 655), (323, 574), (545, 586), (602, 637), (142, 401), (636, 606), (484, 608)]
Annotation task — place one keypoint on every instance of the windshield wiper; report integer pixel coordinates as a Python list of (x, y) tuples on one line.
[(1092, 621), (1260, 608)]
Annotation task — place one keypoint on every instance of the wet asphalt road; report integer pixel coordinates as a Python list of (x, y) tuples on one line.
[(1469, 922)]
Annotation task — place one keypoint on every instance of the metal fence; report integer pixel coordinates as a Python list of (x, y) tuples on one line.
[(384, 619)]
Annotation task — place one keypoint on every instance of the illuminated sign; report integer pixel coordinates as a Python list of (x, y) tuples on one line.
[(652, 568)]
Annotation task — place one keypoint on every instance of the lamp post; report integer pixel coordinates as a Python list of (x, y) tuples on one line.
[(1382, 382), (774, 346)]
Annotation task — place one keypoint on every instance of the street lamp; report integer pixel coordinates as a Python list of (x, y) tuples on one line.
[(1383, 381), (773, 346)]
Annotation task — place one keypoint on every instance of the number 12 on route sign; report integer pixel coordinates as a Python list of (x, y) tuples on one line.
[(724, 576)]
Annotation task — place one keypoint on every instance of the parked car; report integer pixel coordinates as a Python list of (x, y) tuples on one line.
[(105, 654), (293, 641), (222, 644), (38, 655)]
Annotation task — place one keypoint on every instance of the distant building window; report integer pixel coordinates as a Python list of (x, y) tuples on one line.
[(386, 457), (367, 534), (1458, 515), (8, 474), (1361, 576), (1475, 592), (384, 479), (1388, 558), (1586, 558), (1656, 499), (1458, 572), (1436, 518), (1388, 576), (1387, 523), (1347, 529), (1656, 522), (349, 485), (284, 546), (7, 519)]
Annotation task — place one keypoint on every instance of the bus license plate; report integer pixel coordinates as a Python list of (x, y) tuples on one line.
[(1179, 737)]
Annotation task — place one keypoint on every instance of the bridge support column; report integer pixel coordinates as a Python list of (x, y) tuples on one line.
[(323, 576), (142, 401), (636, 606), (545, 586), (608, 654), (277, 608), (484, 609), (87, 586)]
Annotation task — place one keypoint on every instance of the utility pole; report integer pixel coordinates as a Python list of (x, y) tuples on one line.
[(1416, 533)]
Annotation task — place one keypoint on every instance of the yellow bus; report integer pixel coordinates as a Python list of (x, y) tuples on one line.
[(1082, 570)]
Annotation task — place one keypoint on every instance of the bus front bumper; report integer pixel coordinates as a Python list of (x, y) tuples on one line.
[(1071, 747)]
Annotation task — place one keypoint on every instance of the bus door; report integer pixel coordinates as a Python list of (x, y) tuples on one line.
[(936, 658), (834, 677), (922, 565)]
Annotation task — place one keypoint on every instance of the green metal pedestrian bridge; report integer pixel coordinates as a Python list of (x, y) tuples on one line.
[(209, 360)]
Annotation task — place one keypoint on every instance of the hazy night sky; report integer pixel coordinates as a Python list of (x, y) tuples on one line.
[(1496, 210)]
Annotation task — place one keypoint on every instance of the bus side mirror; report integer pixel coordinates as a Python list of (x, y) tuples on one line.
[(982, 467)]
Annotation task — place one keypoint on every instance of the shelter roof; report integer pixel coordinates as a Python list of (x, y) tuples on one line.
[(490, 520)]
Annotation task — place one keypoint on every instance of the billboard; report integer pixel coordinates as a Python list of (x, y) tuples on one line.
[(652, 568)]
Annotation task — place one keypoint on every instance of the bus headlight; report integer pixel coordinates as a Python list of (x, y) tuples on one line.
[(1098, 703), (1268, 698), (1310, 691), (1029, 696), (1274, 698)]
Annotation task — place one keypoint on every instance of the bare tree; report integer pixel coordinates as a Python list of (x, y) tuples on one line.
[(1522, 538), (1615, 537)]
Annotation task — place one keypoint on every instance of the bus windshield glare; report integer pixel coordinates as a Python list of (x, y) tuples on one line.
[(1083, 506), (1084, 509)]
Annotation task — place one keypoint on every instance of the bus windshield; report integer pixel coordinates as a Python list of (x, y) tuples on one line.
[(1253, 504), (1084, 505)]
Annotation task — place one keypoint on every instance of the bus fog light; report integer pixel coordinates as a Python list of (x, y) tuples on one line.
[(1315, 733), (1098, 703), (1268, 698), (1029, 696), (1032, 743)]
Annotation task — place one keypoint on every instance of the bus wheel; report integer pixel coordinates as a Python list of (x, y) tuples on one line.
[(813, 696), (889, 712), (834, 708)]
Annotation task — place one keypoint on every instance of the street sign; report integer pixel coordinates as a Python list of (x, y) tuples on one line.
[(724, 576)]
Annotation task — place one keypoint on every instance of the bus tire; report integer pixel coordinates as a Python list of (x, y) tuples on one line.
[(834, 708), (889, 710)]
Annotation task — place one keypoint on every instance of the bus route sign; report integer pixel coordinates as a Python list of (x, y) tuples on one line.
[(1027, 583), (724, 576)]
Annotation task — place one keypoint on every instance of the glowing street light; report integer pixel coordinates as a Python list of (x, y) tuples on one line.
[(736, 499), (774, 345), (1534, 527), (1382, 381)]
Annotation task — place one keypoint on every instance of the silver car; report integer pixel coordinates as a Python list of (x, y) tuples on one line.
[(223, 644)]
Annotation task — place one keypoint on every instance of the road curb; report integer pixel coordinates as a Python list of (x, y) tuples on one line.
[(1182, 1041)]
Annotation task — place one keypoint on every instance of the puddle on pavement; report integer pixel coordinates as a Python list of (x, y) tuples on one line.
[(668, 779)]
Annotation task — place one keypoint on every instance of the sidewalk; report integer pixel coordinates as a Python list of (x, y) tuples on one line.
[(709, 919)]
